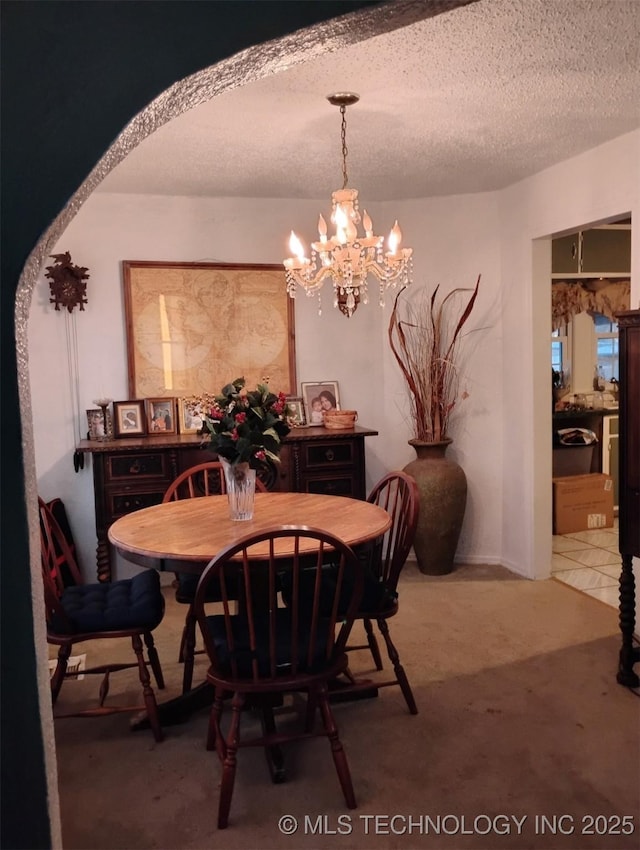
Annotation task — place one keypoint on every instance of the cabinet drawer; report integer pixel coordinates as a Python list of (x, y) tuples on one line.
[(119, 504), (343, 485), (147, 465), (337, 453)]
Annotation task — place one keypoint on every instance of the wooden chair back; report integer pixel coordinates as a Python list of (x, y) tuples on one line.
[(267, 645), (397, 493), (203, 479), (55, 550)]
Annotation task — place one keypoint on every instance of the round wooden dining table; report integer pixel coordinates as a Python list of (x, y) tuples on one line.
[(184, 536)]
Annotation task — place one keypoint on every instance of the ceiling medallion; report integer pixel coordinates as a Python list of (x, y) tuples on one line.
[(348, 258)]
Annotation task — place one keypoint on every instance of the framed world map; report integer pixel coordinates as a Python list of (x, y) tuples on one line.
[(193, 327)]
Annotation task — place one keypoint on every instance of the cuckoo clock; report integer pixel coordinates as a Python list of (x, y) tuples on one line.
[(67, 282)]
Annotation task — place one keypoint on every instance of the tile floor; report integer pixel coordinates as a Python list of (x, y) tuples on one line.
[(589, 561)]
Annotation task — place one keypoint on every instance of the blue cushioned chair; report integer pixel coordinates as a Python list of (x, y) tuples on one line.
[(203, 479), (80, 612), (267, 649)]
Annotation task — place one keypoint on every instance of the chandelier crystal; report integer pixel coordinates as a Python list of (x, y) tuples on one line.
[(347, 257)]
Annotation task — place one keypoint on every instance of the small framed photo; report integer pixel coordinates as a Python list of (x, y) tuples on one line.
[(318, 397), (95, 422), (295, 403), (161, 416), (190, 416), (129, 418)]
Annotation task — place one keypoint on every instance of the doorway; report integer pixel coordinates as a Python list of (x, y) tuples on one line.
[(591, 272)]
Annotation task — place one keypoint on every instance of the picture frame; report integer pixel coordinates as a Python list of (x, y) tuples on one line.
[(129, 418), (161, 416), (193, 327), (190, 416), (296, 404), (314, 390), (95, 424)]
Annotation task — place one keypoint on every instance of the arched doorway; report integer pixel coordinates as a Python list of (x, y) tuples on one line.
[(248, 65)]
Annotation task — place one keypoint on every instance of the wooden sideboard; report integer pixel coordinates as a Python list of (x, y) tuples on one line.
[(629, 489), (133, 473)]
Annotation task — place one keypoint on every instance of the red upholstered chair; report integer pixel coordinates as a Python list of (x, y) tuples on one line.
[(203, 479), (269, 649), (78, 612), (397, 493)]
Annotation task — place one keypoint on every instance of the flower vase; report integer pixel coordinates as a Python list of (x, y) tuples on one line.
[(442, 485), (240, 481)]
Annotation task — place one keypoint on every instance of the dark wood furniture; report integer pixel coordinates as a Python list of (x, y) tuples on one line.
[(268, 650), (133, 473), (629, 496), (77, 612)]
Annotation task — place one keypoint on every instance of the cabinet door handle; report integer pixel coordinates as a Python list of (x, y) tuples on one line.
[(135, 467), (329, 454)]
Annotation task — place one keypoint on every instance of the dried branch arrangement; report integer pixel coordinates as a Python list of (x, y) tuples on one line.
[(426, 345)]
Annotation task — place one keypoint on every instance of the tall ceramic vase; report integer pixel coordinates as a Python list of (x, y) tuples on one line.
[(442, 485)]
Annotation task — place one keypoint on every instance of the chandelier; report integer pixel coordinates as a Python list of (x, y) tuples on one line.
[(346, 257)]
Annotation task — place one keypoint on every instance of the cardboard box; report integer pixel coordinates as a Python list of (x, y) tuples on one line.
[(582, 503)]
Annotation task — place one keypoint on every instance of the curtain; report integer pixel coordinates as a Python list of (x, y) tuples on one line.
[(571, 297)]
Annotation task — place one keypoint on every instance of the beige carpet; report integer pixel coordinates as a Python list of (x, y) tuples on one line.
[(522, 732)]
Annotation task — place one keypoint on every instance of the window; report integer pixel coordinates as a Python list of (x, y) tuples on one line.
[(560, 351), (606, 342)]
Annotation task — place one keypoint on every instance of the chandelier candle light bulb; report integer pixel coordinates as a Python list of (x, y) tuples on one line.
[(347, 258)]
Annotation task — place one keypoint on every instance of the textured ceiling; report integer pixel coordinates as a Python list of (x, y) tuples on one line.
[(470, 100)]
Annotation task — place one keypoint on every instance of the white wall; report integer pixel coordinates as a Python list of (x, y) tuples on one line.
[(354, 352), (503, 433), (599, 184)]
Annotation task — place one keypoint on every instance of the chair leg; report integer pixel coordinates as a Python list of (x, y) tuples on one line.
[(188, 651), (154, 661), (59, 673), (337, 750), (373, 644), (147, 690), (215, 738), (230, 761), (401, 676), (310, 716), (183, 641)]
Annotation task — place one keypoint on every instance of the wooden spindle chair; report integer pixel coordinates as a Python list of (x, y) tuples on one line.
[(77, 611), (203, 479), (397, 493), (268, 648)]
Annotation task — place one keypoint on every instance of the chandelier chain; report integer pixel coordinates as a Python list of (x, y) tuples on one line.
[(343, 136)]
